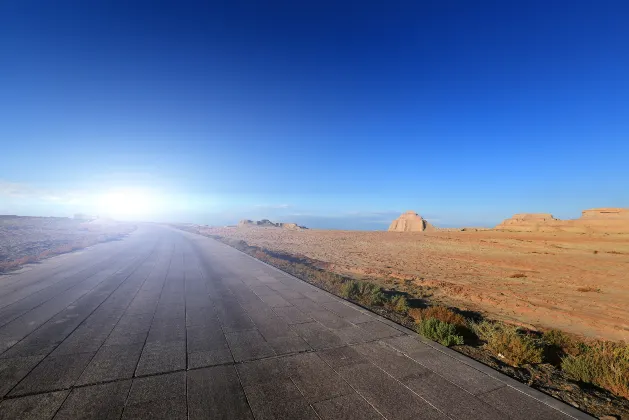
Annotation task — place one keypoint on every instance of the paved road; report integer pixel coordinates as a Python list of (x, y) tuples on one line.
[(170, 325)]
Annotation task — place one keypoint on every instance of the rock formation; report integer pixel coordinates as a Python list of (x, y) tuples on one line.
[(268, 223), (604, 220), (410, 222)]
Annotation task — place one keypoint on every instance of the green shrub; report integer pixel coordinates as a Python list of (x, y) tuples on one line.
[(399, 304), (438, 312), (507, 342), (604, 364), (363, 292), (439, 331)]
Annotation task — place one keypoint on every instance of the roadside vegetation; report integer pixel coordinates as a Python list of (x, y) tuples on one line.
[(596, 369)]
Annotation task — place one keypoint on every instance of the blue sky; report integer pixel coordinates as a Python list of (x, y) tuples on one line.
[(330, 113)]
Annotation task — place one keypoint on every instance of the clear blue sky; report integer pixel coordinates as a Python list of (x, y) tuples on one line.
[(329, 113)]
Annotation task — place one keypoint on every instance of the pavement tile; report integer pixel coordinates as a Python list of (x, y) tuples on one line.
[(347, 312), (209, 358), (53, 373), (162, 332), (377, 330), (306, 305), (286, 345), (292, 315), (353, 335), (33, 407), (252, 352), (459, 373), (204, 338), (153, 388), (274, 327), (316, 380), (97, 402), (262, 371), (162, 357), (393, 362), (278, 400), (449, 398), (519, 406), (13, 370), (347, 407), (317, 336), (341, 356), (110, 363), (165, 409), (329, 319), (386, 394), (125, 339), (274, 300), (216, 393)]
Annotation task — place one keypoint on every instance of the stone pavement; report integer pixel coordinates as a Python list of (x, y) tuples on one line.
[(171, 325)]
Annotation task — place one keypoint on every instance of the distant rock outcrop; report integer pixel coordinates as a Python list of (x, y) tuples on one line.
[(604, 220), (410, 222), (268, 223)]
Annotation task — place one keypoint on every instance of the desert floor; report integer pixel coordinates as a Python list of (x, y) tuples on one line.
[(575, 282)]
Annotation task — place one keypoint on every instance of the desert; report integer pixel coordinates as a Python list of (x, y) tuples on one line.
[(535, 271), (26, 239)]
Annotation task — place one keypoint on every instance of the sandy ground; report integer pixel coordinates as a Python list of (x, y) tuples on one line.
[(24, 237), (576, 282)]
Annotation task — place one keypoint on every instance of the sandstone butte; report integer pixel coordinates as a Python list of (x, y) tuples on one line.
[(268, 223), (410, 222), (603, 220)]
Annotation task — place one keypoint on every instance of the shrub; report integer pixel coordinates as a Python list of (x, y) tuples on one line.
[(604, 364), (439, 331), (363, 292), (438, 312), (399, 304), (506, 341)]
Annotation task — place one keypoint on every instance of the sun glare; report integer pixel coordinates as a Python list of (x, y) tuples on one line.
[(126, 203)]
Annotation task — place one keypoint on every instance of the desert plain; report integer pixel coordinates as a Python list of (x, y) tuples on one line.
[(576, 282)]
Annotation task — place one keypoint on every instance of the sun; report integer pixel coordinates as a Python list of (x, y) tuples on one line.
[(126, 203)]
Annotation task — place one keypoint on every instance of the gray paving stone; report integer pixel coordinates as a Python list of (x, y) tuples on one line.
[(162, 332), (341, 356), (164, 409), (317, 336), (14, 370), (377, 330), (274, 327), (209, 358), (306, 305), (162, 357), (315, 379), (292, 315), (460, 374), (204, 338), (353, 335), (125, 339), (110, 363), (33, 407), (216, 393), (286, 345), (449, 398), (262, 371), (329, 319), (393, 362), (347, 312), (153, 388), (97, 402), (274, 300), (53, 373), (517, 405), (347, 407), (387, 395)]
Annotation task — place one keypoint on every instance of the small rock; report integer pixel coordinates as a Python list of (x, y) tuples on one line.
[(608, 418)]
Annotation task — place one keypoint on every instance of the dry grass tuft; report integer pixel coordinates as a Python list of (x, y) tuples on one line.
[(509, 343), (441, 313), (586, 289), (605, 364), (517, 276)]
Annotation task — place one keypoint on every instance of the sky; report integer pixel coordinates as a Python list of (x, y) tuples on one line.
[(331, 114)]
